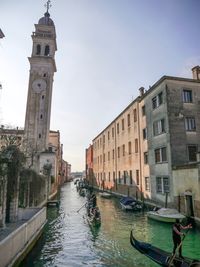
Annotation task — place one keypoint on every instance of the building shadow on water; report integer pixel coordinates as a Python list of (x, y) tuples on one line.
[(50, 242)]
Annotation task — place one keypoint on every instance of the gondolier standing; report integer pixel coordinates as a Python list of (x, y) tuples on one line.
[(176, 235)]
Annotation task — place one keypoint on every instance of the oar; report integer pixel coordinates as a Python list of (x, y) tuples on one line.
[(81, 207), (84, 204), (173, 257)]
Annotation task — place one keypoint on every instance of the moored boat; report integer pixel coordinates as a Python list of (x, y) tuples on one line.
[(161, 257), (129, 203), (165, 215), (105, 195)]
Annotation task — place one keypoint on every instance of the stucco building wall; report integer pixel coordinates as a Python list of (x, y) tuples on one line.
[(155, 126)]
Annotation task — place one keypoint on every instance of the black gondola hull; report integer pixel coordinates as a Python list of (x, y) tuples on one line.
[(161, 257)]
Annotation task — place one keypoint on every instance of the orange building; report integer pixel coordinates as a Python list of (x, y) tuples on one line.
[(89, 165)]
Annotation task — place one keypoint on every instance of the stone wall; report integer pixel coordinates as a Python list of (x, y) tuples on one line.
[(14, 245)]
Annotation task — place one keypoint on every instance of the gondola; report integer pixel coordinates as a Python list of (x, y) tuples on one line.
[(93, 221), (93, 217), (161, 257)]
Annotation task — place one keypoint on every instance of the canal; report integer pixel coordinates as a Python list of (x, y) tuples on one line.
[(68, 240)]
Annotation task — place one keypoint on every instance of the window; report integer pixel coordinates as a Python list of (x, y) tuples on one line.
[(100, 159), (154, 102), (192, 153), (118, 152), (143, 111), (123, 149), (117, 127), (147, 185), (108, 155), (113, 153), (161, 155), (103, 139), (113, 176), (109, 176), (136, 145), (137, 177), (46, 51), (159, 127), (131, 177), (128, 120), (41, 116), (125, 173), (144, 131), (113, 132), (162, 185), (108, 135), (135, 115), (122, 124), (158, 184), (160, 99), (145, 157), (104, 157), (38, 49), (119, 174), (165, 184), (157, 100), (187, 96), (190, 124), (129, 148)]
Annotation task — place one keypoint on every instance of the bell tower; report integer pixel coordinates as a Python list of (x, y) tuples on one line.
[(42, 68)]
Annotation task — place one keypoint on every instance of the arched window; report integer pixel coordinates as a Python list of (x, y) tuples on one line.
[(46, 51), (38, 50)]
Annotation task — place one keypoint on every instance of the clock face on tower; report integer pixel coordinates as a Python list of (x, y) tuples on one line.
[(39, 85)]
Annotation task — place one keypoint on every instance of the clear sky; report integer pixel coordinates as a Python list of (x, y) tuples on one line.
[(107, 50)]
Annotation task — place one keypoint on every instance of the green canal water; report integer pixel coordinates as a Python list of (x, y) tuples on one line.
[(68, 240)]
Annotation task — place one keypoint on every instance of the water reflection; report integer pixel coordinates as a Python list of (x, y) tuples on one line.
[(69, 241)]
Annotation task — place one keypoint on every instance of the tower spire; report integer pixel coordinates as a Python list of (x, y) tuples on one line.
[(48, 5)]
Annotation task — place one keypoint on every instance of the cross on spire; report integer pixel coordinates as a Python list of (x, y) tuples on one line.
[(48, 5)]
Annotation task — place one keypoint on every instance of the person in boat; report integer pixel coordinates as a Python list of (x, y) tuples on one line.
[(95, 213), (177, 234), (91, 203), (92, 211), (93, 200)]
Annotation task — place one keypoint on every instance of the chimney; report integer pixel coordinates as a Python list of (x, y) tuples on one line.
[(141, 89), (196, 73)]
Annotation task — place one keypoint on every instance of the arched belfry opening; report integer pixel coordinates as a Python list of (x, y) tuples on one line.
[(38, 49), (47, 50)]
